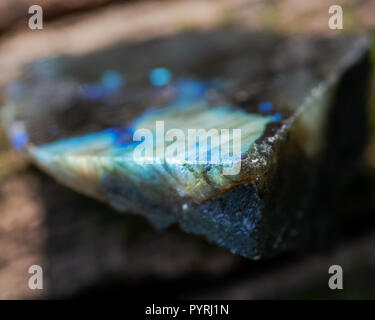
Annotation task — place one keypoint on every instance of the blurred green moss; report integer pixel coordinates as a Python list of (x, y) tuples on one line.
[(270, 16), (227, 20), (352, 22)]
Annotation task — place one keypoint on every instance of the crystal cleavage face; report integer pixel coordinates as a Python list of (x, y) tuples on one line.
[(86, 161)]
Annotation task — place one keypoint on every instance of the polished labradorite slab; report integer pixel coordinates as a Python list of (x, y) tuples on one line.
[(299, 102)]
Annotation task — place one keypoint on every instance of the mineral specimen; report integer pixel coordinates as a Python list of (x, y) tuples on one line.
[(300, 105)]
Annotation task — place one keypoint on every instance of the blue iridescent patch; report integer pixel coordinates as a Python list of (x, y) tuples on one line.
[(112, 80), (160, 76), (92, 157), (265, 106)]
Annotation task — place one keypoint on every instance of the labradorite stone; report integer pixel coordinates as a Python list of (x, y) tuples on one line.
[(300, 103)]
